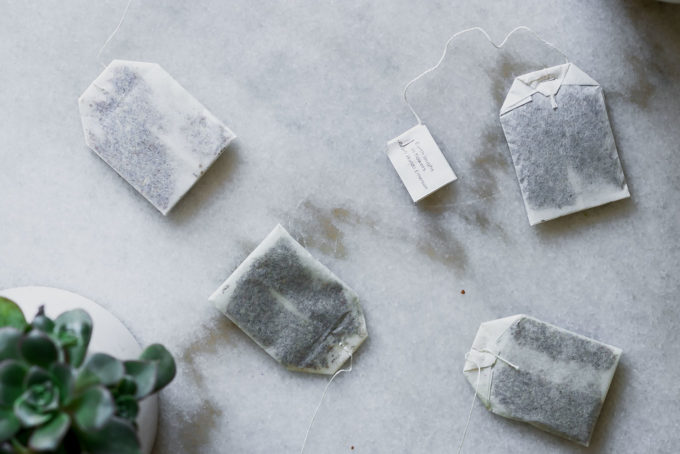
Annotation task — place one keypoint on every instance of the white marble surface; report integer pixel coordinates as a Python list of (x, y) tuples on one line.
[(313, 90)]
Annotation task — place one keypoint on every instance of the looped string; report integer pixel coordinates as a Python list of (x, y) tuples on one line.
[(106, 43), (474, 398), (485, 350), (349, 369), (488, 38)]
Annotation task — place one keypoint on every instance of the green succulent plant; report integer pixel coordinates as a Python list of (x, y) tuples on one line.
[(55, 398)]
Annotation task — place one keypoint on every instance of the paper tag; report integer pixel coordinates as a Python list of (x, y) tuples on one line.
[(419, 162)]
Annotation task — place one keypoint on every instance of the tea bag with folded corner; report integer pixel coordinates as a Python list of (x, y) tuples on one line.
[(293, 307), (531, 371), (556, 125)]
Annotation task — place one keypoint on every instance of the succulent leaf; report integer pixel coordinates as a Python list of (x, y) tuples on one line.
[(9, 424), (165, 363), (74, 330), (49, 436), (36, 376), (127, 408), (36, 404), (37, 348), (64, 380), (42, 322), (108, 369), (144, 374), (9, 343), (118, 436), (93, 408), (11, 314), (12, 374), (126, 387)]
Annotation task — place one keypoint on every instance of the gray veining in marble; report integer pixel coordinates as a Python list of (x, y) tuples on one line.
[(313, 89)]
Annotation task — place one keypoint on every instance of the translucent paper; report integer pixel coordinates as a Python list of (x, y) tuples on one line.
[(150, 130), (561, 142), (293, 307), (535, 372)]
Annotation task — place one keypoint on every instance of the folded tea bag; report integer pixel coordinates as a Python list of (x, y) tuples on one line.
[(531, 371), (293, 307), (561, 142), (150, 130)]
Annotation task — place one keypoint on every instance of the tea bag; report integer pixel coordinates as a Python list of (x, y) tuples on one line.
[(556, 124), (551, 378), (150, 130), (293, 307)]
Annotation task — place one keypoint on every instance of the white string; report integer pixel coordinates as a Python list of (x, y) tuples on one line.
[(106, 43), (309, 428), (488, 38), (474, 398), (497, 356)]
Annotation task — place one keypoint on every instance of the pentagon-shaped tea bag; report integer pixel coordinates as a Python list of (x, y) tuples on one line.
[(293, 307), (150, 130), (556, 124), (551, 378)]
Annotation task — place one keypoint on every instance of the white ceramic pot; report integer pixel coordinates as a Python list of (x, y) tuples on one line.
[(109, 335)]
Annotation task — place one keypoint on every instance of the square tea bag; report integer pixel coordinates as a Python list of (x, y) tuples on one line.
[(551, 378), (561, 142), (150, 130), (293, 307)]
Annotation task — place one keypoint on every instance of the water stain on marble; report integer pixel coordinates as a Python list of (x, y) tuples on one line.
[(322, 228), (197, 427), (441, 246), (440, 201), (488, 161), (206, 345), (642, 90), (502, 76)]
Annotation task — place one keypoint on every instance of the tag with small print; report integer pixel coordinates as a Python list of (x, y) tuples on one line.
[(419, 162)]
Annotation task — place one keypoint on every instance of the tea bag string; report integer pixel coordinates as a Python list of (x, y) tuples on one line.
[(474, 397), (325, 391), (488, 38), (108, 40)]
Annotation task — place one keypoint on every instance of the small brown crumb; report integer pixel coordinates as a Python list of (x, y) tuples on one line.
[(352, 448), (462, 292)]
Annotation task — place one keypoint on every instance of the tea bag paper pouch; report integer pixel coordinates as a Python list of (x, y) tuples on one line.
[(150, 130), (532, 371), (419, 162), (556, 125), (293, 307)]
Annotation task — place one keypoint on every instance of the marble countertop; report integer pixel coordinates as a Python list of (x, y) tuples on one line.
[(313, 91)]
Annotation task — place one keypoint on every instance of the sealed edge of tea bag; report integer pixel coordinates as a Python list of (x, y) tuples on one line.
[(420, 163), (487, 351)]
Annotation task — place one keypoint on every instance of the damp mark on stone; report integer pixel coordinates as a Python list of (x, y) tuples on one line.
[(206, 345), (197, 428), (489, 160), (322, 228), (642, 90), (440, 201), (502, 77), (439, 245)]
